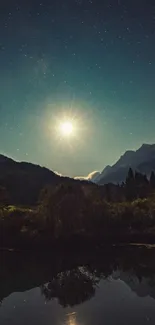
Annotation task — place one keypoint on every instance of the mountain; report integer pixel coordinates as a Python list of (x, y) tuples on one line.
[(99, 175), (147, 166), (143, 287), (24, 181), (142, 160)]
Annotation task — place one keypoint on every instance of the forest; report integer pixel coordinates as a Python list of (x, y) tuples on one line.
[(82, 214)]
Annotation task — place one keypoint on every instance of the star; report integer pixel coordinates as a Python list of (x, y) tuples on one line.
[(76, 57)]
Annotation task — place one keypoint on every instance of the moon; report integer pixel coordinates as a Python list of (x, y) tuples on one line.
[(66, 128)]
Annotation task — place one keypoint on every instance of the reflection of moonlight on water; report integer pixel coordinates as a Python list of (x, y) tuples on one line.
[(71, 319)]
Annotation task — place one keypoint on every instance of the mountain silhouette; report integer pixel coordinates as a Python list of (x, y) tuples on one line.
[(142, 160), (24, 181)]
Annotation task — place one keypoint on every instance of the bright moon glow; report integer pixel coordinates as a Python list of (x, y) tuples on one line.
[(66, 128)]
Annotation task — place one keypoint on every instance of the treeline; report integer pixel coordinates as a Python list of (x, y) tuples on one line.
[(66, 281), (80, 214), (96, 211), (136, 186)]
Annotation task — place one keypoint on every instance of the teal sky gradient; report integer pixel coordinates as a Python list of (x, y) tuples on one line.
[(94, 60)]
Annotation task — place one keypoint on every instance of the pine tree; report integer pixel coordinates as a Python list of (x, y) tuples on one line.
[(130, 176), (152, 180), (130, 185), (141, 185), (4, 197)]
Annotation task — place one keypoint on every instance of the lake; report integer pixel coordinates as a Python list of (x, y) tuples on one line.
[(110, 286)]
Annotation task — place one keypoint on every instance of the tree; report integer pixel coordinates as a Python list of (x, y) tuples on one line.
[(130, 185), (63, 208), (107, 192), (130, 176), (4, 197), (71, 287), (141, 185), (152, 180)]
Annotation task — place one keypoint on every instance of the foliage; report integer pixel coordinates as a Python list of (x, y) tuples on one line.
[(152, 180), (4, 197), (85, 211)]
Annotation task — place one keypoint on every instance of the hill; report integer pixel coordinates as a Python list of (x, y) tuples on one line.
[(24, 181)]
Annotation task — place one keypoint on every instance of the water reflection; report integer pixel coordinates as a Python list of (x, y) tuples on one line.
[(71, 319), (71, 287), (75, 279)]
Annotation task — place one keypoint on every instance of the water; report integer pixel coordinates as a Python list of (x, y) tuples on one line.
[(115, 286)]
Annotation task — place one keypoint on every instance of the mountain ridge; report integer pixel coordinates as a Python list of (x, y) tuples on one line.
[(24, 180), (142, 159)]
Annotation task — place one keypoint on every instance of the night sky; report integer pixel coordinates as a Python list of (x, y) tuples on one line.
[(90, 60)]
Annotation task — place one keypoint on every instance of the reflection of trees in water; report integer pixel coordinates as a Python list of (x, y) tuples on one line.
[(71, 287), (71, 284)]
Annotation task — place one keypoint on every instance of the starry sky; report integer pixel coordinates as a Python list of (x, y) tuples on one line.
[(88, 59)]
